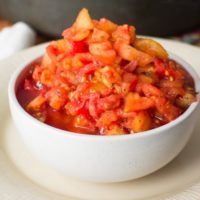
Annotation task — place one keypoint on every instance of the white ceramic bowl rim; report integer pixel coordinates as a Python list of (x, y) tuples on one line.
[(66, 134)]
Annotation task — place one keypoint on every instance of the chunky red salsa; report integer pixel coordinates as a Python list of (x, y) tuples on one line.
[(102, 79)]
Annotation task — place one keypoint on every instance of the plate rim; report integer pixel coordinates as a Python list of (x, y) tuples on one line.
[(194, 189)]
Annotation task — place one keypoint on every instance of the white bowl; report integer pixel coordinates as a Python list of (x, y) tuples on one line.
[(103, 158)]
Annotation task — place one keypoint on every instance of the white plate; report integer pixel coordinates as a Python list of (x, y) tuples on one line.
[(42, 183)]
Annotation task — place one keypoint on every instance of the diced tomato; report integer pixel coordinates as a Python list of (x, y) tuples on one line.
[(107, 118), (129, 53), (87, 69), (84, 110), (172, 89), (132, 33), (81, 92), (110, 102), (36, 103), (68, 33), (123, 89), (129, 77), (62, 82), (133, 85), (145, 79), (40, 115), (75, 35), (141, 122), (81, 121), (128, 115), (79, 47), (105, 25), (100, 88), (103, 52), (47, 77), (146, 70), (114, 129), (73, 107), (80, 35), (94, 110), (108, 76), (175, 71), (138, 88), (150, 90), (172, 93), (63, 46), (57, 98), (171, 84), (132, 79), (151, 47), (80, 59), (83, 20), (81, 28), (147, 74), (99, 36), (160, 67), (131, 66), (124, 34), (186, 100), (46, 60), (134, 102), (166, 109), (52, 52)]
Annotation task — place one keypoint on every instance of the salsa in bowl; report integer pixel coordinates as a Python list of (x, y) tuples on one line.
[(119, 156), (116, 113), (102, 79)]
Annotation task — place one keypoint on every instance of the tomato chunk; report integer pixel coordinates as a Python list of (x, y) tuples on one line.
[(83, 20), (114, 129), (82, 122), (99, 36), (151, 47), (129, 53), (124, 34), (57, 98), (141, 122), (36, 103), (105, 25), (134, 102), (110, 102), (107, 118), (166, 109), (150, 90), (103, 52)]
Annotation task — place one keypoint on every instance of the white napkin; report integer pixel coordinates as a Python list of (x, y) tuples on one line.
[(15, 38)]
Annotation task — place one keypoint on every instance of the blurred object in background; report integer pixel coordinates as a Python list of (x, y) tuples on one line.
[(191, 38), (15, 38), (156, 18), (40, 38), (4, 24)]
